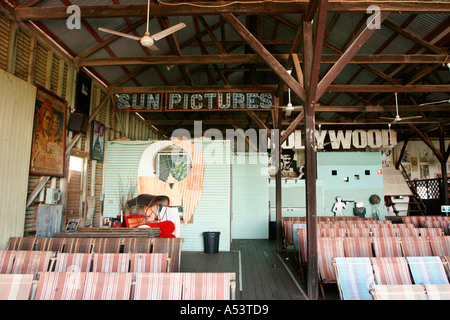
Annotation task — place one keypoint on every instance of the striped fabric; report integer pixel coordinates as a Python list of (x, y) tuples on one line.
[(358, 247), (412, 219), (53, 244), (358, 232), (302, 244), (107, 245), (148, 262), (295, 227), (354, 278), (73, 262), (329, 248), (416, 246), (15, 286), (440, 245), (427, 270), (107, 286), (408, 232), (399, 292), (206, 286), (31, 262), (78, 245), (110, 262), (60, 286), (137, 245), (21, 243), (332, 232), (391, 270), (6, 261), (171, 246), (158, 286), (431, 232), (385, 232), (438, 291), (446, 262), (387, 247)]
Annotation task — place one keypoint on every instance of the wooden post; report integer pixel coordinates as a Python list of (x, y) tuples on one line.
[(444, 193)]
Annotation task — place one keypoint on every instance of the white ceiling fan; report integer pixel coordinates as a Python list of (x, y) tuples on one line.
[(397, 117), (148, 40)]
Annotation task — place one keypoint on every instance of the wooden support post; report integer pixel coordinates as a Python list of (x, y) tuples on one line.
[(444, 192)]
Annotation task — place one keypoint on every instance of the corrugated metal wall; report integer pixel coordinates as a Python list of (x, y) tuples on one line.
[(250, 196), (17, 99), (213, 211)]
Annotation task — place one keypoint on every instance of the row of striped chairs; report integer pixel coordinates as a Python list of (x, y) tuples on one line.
[(411, 292), (366, 278), (32, 262), (117, 286), (170, 246), (426, 221)]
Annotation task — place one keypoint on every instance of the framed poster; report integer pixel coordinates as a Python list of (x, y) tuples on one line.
[(98, 140), (49, 127)]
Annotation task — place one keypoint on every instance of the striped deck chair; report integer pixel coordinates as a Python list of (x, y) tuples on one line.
[(354, 278), (148, 262), (431, 232), (427, 270), (16, 286), (416, 246), (385, 232), (412, 219), (6, 260), (446, 263), (302, 245), (399, 292), (328, 248), (387, 247), (358, 232), (21, 243), (439, 224), (332, 232), (440, 245), (73, 262), (408, 232), (137, 245), (60, 286), (157, 286), (358, 247), (107, 286), (110, 262), (31, 262), (438, 291), (78, 245), (52, 244), (391, 270), (208, 286), (171, 246), (107, 245)]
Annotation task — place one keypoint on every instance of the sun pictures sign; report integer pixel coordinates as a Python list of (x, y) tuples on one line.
[(196, 101)]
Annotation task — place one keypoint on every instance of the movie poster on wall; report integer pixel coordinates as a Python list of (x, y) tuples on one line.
[(98, 141), (48, 142)]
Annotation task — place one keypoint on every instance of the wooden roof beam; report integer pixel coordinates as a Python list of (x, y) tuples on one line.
[(248, 8)]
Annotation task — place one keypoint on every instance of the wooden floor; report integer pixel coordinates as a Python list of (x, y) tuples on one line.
[(261, 273)]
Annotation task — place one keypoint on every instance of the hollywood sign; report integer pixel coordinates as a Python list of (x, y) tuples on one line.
[(345, 139), (196, 101)]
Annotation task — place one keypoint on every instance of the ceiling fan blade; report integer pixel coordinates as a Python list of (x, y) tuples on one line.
[(153, 47), (434, 102), (121, 34), (164, 33), (413, 117), (387, 118)]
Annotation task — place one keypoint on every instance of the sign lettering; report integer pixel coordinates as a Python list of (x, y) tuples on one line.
[(196, 101)]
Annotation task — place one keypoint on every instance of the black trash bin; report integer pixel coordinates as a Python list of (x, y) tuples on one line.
[(211, 241)]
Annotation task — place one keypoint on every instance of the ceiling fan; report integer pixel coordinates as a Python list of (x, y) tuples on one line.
[(148, 40), (397, 117)]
